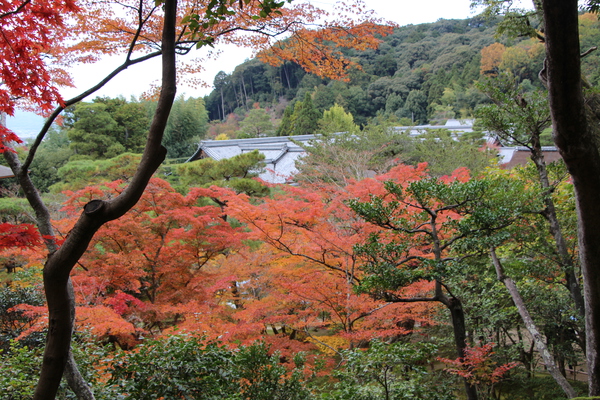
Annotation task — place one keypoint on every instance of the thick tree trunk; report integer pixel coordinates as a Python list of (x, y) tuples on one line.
[(460, 338), (578, 145), (95, 214), (531, 327)]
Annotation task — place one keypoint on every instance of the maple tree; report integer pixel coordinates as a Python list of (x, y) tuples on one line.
[(309, 239), (31, 31), (148, 265), (21, 235)]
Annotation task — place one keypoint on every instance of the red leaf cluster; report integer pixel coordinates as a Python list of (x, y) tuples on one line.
[(29, 31), (22, 235), (477, 366)]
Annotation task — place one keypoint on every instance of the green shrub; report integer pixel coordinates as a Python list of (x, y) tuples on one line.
[(187, 367), (20, 368)]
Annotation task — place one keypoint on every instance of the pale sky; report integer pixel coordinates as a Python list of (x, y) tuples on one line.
[(137, 79)]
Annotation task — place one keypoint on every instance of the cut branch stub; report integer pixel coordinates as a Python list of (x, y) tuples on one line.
[(93, 206)]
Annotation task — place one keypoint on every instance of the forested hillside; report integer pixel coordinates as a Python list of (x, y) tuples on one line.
[(415, 63), (419, 72)]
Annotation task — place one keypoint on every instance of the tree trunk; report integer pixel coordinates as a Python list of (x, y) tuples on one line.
[(549, 213), (549, 361), (578, 145), (95, 214), (76, 382), (245, 94), (287, 78), (222, 105), (460, 336)]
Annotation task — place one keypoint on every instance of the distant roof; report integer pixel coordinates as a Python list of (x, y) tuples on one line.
[(5, 172), (455, 125), (520, 155), (281, 153)]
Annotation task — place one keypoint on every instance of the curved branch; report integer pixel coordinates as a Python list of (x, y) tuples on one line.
[(50, 120), (17, 10), (94, 215)]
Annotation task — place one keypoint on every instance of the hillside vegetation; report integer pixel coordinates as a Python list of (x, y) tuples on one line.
[(422, 73)]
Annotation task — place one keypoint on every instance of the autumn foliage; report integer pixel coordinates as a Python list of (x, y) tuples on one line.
[(31, 33), (22, 235), (183, 263), (478, 366), (315, 269)]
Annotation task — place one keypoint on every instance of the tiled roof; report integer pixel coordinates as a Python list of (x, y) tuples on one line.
[(5, 172), (281, 153), (519, 155)]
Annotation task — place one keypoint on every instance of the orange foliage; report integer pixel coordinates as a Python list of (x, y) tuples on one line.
[(106, 325), (491, 57), (136, 33), (102, 322), (171, 265), (477, 366), (41, 39), (155, 254), (305, 277)]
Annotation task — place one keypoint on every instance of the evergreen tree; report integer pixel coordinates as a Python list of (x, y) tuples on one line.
[(416, 105), (53, 153), (305, 120), (187, 124), (94, 133), (236, 173), (133, 121), (285, 128), (106, 128), (336, 119)]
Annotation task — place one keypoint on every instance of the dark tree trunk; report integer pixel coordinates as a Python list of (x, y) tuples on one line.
[(95, 214), (454, 305), (578, 144)]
